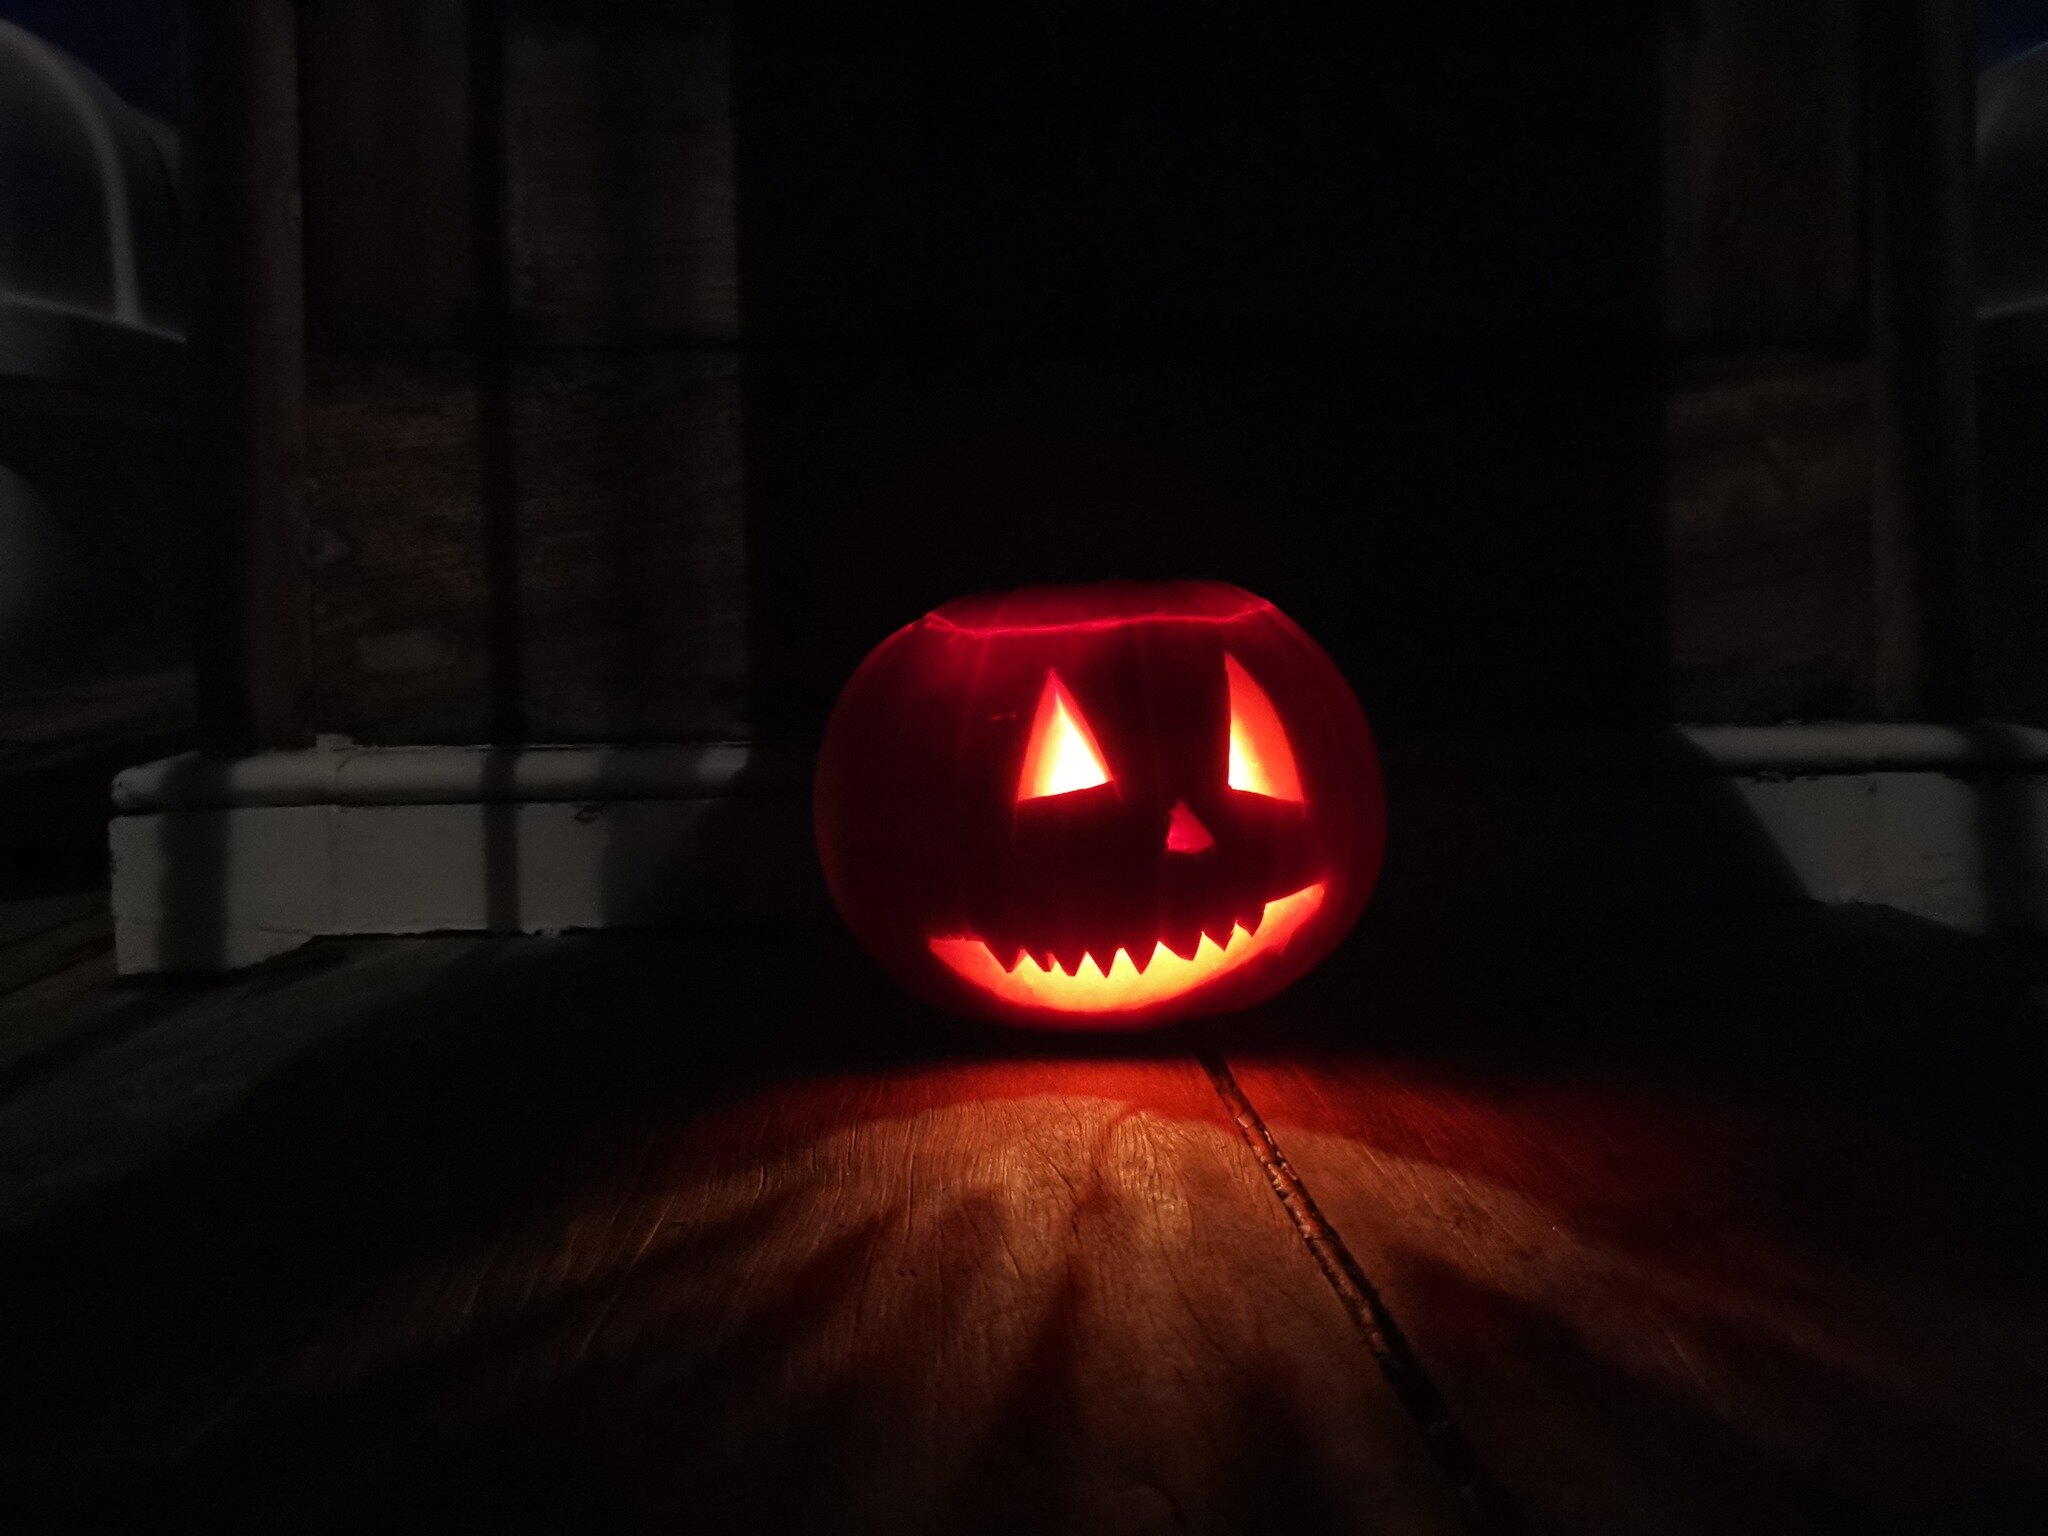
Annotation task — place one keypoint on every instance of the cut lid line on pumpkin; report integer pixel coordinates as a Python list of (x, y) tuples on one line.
[(1119, 621), (1124, 985)]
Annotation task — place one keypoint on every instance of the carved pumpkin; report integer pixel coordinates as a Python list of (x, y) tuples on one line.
[(1099, 806)]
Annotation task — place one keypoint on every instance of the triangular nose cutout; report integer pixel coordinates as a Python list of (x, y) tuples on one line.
[(1185, 832)]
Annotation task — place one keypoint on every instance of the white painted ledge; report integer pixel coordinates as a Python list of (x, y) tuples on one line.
[(1814, 749), (452, 775), (220, 863)]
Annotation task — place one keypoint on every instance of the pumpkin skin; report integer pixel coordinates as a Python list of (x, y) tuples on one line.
[(1099, 807)]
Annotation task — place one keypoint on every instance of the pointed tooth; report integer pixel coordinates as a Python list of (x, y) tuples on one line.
[(1251, 920), (1141, 957), (1183, 941)]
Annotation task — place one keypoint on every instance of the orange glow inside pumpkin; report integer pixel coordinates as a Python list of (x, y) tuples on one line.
[(1261, 762), (1062, 756), (1088, 988)]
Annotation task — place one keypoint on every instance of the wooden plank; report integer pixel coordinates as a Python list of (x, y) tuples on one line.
[(1768, 501), (248, 343), (44, 951), (99, 1075), (1766, 298), (28, 917), (620, 202), (631, 547), (43, 729), (628, 546), (394, 503), (1764, 139), (388, 167), (1922, 74), (1702, 1227), (617, 186), (712, 1233), (26, 1013)]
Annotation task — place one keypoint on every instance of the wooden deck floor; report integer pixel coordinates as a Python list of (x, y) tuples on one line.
[(1657, 1225)]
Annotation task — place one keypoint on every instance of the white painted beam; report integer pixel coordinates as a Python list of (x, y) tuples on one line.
[(221, 863)]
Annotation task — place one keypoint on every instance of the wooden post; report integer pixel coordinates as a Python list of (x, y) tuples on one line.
[(248, 344), (1921, 112)]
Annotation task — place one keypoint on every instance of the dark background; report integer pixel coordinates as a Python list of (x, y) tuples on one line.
[(663, 359), (1358, 309), (2012, 365), (660, 358), (2007, 27)]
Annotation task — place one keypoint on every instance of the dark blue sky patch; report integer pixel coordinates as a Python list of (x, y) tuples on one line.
[(136, 46), (2007, 27)]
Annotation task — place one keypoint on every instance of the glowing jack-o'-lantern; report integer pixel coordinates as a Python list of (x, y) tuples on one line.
[(1099, 807)]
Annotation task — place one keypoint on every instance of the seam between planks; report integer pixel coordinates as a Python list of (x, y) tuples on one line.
[(59, 954), (97, 908), (1479, 1500)]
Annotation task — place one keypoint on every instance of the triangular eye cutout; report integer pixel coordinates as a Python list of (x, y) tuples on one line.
[(1062, 756), (1261, 761)]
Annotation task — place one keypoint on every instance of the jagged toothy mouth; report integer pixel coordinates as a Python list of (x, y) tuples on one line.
[(1127, 983)]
